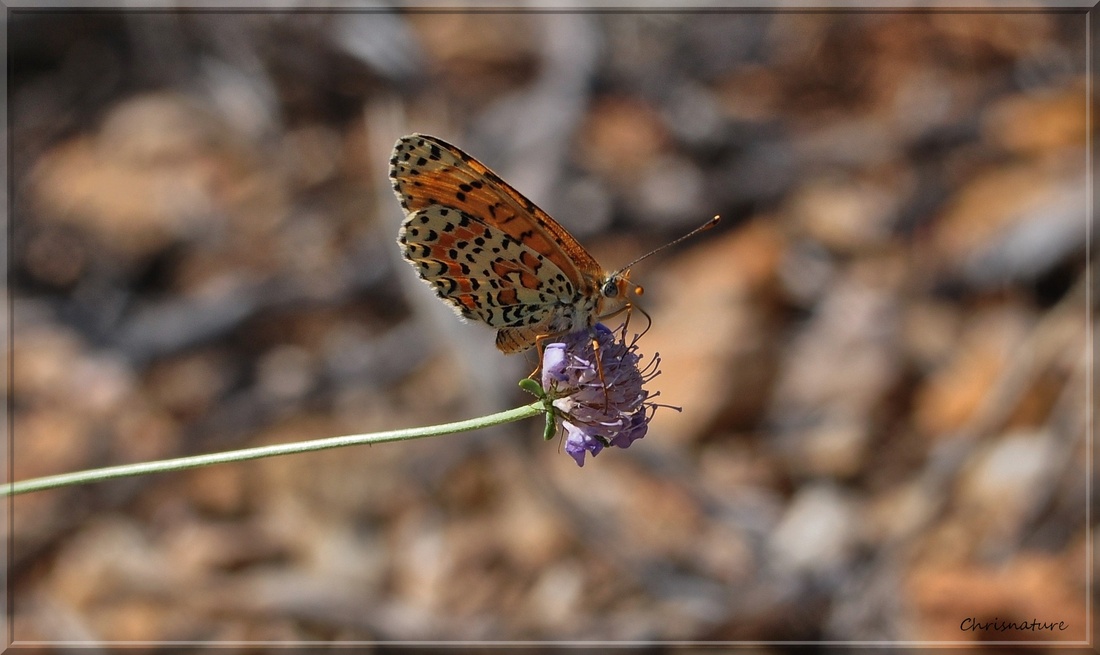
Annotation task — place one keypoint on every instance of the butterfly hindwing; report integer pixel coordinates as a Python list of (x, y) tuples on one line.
[(518, 339), (484, 273)]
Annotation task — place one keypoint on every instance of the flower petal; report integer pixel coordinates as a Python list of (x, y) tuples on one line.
[(554, 362), (578, 442), (597, 393)]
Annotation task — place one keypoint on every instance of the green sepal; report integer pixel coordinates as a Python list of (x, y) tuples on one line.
[(532, 387), (551, 424)]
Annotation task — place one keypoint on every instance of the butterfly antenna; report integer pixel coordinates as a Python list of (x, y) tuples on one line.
[(702, 228)]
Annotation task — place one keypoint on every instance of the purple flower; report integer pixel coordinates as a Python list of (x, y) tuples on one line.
[(596, 413)]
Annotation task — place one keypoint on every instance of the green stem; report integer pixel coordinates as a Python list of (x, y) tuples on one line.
[(195, 461)]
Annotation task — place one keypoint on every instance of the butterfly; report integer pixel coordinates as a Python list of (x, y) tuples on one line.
[(492, 254)]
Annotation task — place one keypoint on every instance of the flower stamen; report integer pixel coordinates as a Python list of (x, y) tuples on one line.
[(595, 390)]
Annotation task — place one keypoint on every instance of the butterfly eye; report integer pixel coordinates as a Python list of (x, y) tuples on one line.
[(610, 288)]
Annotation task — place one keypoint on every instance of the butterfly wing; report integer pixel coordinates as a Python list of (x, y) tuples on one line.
[(487, 249), (484, 273)]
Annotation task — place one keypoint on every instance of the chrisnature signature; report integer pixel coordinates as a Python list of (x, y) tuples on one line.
[(1035, 625)]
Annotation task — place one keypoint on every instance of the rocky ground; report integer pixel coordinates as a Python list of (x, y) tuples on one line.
[(882, 353)]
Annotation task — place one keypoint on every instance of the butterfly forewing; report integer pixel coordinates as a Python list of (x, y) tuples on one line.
[(487, 249), (427, 171)]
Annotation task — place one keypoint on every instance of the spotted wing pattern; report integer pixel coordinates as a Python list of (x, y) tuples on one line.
[(488, 250)]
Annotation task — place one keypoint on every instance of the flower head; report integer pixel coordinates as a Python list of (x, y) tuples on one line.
[(594, 387)]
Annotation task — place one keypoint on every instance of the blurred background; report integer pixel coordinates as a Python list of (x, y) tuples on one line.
[(881, 353)]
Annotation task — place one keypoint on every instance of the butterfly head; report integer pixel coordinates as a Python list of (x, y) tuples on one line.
[(615, 293), (616, 286)]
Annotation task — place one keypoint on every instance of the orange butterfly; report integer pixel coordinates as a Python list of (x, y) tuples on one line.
[(492, 254)]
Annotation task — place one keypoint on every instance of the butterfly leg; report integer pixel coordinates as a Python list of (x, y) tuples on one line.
[(540, 346), (629, 309), (599, 367)]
